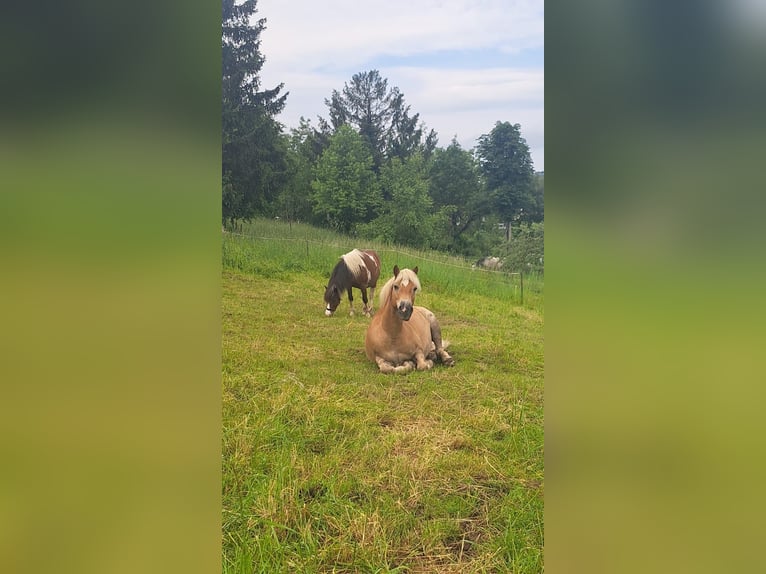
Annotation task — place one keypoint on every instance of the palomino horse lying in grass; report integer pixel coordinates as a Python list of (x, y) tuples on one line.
[(402, 337)]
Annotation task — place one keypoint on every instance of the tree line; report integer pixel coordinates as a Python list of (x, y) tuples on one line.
[(372, 168)]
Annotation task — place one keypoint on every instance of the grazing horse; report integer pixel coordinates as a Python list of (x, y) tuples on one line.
[(357, 268), (492, 263), (401, 336)]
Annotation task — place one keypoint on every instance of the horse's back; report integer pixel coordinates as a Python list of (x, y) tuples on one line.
[(372, 262)]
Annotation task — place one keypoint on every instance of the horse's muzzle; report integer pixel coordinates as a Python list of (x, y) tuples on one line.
[(328, 312), (404, 310)]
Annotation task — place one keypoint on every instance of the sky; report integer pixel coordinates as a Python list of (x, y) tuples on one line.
[(463, 65)]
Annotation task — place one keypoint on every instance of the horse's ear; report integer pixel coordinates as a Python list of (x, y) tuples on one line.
[(396, 270), (415, 270)]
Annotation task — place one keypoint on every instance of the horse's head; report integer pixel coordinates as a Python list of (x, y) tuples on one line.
[(403, 290), (332, 299)]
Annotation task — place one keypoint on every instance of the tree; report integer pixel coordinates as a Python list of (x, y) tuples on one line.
[(304, 147), (405, 136), (457, 192), (407, 218), (527, 251), (345, 190), (508, 173), (381, 117), (537, 212), (253, 154)]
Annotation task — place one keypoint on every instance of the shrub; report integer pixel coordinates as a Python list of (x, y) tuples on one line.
[(526, 250)]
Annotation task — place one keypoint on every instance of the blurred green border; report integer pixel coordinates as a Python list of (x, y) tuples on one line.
[(654, 277), (110, 214), (110, 223)]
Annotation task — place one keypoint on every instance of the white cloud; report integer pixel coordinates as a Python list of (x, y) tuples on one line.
[(315, 47), (467, 103), (343, 33)]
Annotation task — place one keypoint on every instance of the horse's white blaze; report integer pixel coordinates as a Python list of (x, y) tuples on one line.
[(404, 278)]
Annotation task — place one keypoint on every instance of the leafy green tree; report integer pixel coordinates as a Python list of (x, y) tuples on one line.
[(253, 153), (508, 173), (457, 193), (407, 217), (381, 117), (527, 250), (304, 147), (536, 213), (345, 190), (294, 202)]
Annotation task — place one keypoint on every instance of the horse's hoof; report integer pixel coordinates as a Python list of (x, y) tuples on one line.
[(404, 368)]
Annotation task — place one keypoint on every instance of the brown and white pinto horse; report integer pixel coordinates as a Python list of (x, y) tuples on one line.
[(357, 268), (401, 336)]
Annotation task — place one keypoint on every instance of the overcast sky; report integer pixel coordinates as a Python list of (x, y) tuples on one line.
[(461, 64)]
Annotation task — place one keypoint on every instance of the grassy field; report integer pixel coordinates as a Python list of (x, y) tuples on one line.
[(329, 466)]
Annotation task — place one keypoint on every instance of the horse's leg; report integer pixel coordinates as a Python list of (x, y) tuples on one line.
[(372, 299), (366, 309), (350, 301), (386, 367), (405, 367), (423, 364), (436, 337)]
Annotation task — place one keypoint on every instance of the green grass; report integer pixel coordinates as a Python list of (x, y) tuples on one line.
[(275, 249), (329, 466)]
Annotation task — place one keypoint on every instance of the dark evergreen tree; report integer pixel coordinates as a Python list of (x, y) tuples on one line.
[(253, 153), (381, 117)]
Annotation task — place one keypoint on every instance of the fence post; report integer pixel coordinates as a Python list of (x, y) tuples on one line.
[(521, 276)]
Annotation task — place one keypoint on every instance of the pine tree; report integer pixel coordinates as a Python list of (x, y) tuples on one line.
[(381, 117), (253, 153)]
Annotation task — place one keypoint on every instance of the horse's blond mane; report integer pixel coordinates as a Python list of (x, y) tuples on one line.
[(404, 275)]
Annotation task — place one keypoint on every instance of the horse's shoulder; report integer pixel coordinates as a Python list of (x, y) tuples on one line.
[(425, 311)]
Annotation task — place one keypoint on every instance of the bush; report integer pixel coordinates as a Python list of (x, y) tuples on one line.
[(526, 250)]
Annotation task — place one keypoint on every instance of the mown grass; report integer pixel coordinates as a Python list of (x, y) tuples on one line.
[(329, 466)]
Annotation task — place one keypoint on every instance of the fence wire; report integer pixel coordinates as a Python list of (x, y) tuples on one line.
[(383, 249)]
